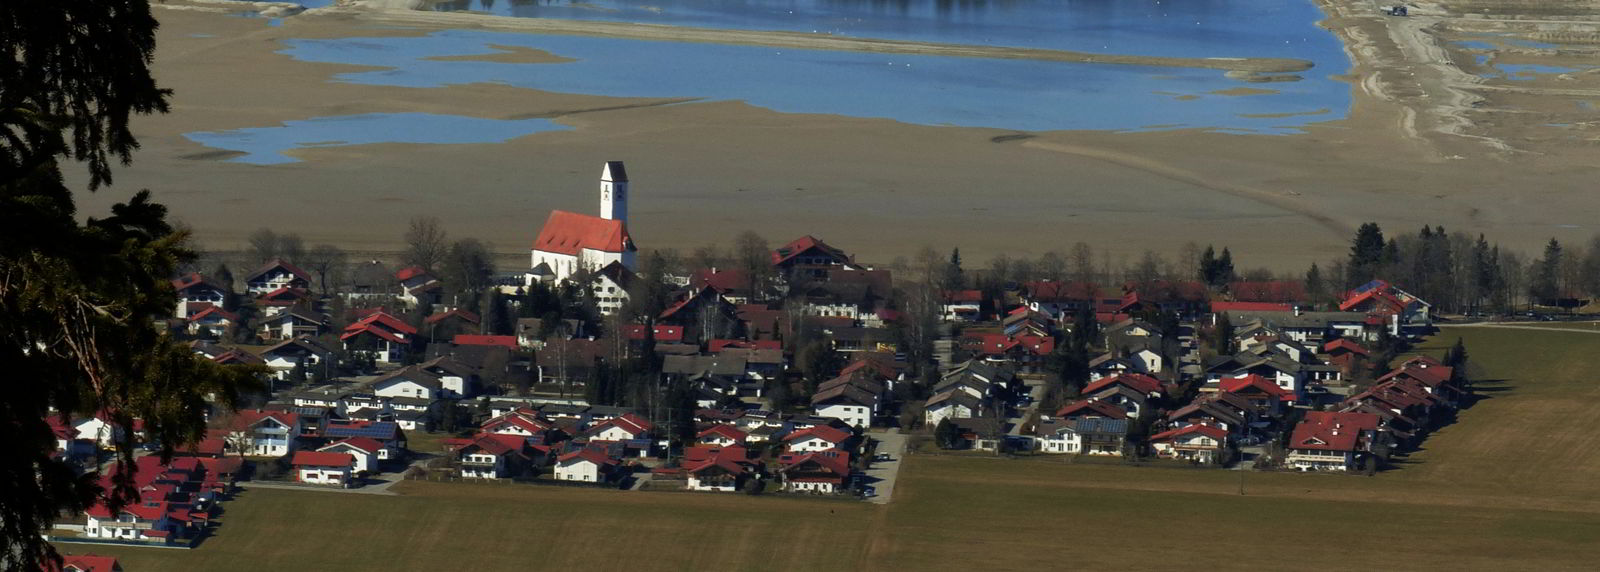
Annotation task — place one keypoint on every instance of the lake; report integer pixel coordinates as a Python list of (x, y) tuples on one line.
[(926, 90)]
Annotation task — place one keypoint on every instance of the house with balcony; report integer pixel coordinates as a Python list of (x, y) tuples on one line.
[(260, 433), (823, 472)]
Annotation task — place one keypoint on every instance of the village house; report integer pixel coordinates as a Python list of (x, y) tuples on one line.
[(823, 472), (363, 451), (819, 438), (722, 469), (385, 337), (853, 400), (721, 436), (961, 305), (275, 275), (386, 433), (88, 563), (625, 428), (571, 243), (589, 465), (610, 287), (291, 323), (418, 287), (494, 456), (1196, 442), (196, 292), (210, 322), (409, 382), (1330, 441), (265, 433), (1130, 391), (302, 349), (808, 258), (174, 500), (449, 323), (324, 468), (1401, 312)]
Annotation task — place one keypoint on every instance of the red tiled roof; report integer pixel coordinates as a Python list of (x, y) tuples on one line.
[(458, 313), (1331, 431), (728, 431), (1091, 407), (569, 233), (213, 309), (1219, 307), (962, 296), (731, 459), (1213, 432), (322, 459), (1137, 381), (85, 563), (836, 462), (509, 342), (191, 279), (723, 280), (1347, 345), (800, 245), (409, 272), (665, 333), (1244, 383), (590, 454), (825, 432), (248, 418), (385, 320), (283, 296), (499, 443), (277, 263)]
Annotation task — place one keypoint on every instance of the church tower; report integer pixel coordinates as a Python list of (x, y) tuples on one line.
[(614, 192)]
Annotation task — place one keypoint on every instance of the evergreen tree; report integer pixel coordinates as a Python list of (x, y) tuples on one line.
[(953, 277), (1546, 284), (1225, 273), (946, 434), (1366, 255), (82, 286), (1208, 266), (1316, 291)]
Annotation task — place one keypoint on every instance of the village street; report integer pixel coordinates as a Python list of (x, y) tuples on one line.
[(882, 474)]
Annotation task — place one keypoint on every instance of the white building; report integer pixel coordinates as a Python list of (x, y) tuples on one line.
[(572, 242), (362, 450), (322, 468), (409, 382), (265, 433), (588, 466)]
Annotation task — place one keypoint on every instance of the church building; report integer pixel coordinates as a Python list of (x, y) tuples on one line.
[(571, 242)]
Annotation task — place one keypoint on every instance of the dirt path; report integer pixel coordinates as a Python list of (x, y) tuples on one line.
[(1280, 200)]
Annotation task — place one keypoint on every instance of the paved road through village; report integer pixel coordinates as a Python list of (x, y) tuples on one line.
[(881, 475)]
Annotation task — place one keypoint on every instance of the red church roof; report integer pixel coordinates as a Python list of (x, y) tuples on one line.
[(569, 233)]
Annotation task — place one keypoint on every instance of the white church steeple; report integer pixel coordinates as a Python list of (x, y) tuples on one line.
[(614, 192)]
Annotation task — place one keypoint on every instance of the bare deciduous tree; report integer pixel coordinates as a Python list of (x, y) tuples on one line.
[(425, 243)]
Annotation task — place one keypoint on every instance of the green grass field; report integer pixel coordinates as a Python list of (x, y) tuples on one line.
[(1510, 486)]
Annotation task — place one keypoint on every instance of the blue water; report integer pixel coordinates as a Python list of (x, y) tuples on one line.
[(1475, 45), (1220, 28), (928, 90), (1529, 71), (265, 145)]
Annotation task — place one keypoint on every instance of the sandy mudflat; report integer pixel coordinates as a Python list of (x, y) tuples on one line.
[(1414, 149)]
